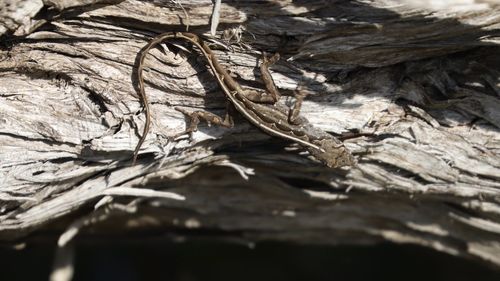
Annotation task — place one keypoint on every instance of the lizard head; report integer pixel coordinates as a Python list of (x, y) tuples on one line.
[(334, 153)]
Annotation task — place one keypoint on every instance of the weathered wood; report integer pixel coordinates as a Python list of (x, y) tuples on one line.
[(414, 90)]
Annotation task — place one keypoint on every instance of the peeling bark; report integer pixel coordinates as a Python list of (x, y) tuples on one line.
[(414, 92)]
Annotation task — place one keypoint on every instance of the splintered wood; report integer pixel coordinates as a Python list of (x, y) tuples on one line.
[(412, 92)]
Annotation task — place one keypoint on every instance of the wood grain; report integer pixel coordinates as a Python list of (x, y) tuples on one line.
[(414, 91)]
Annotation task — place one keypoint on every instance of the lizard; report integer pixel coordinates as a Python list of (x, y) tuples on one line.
[(260, 109)]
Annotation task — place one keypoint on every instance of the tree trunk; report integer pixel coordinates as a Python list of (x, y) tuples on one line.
[(412, 90)]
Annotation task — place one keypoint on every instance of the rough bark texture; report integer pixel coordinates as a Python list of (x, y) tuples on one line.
[(412, 87)]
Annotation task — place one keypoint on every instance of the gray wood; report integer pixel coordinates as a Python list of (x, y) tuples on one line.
[(418, 85)]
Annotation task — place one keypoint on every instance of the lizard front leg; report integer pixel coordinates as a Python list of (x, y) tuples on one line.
[(293, 114), (272, 95), (271, 88)]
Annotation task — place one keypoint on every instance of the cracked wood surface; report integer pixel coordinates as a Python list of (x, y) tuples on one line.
[(413, 90)]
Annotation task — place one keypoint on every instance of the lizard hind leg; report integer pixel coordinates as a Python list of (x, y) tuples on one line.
[(267, 78), (271, 95), (210, 118)]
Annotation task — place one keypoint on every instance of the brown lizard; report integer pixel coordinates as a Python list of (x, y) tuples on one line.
[(262, 110)]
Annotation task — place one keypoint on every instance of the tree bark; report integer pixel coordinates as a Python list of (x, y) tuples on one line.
[(412, 90)]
